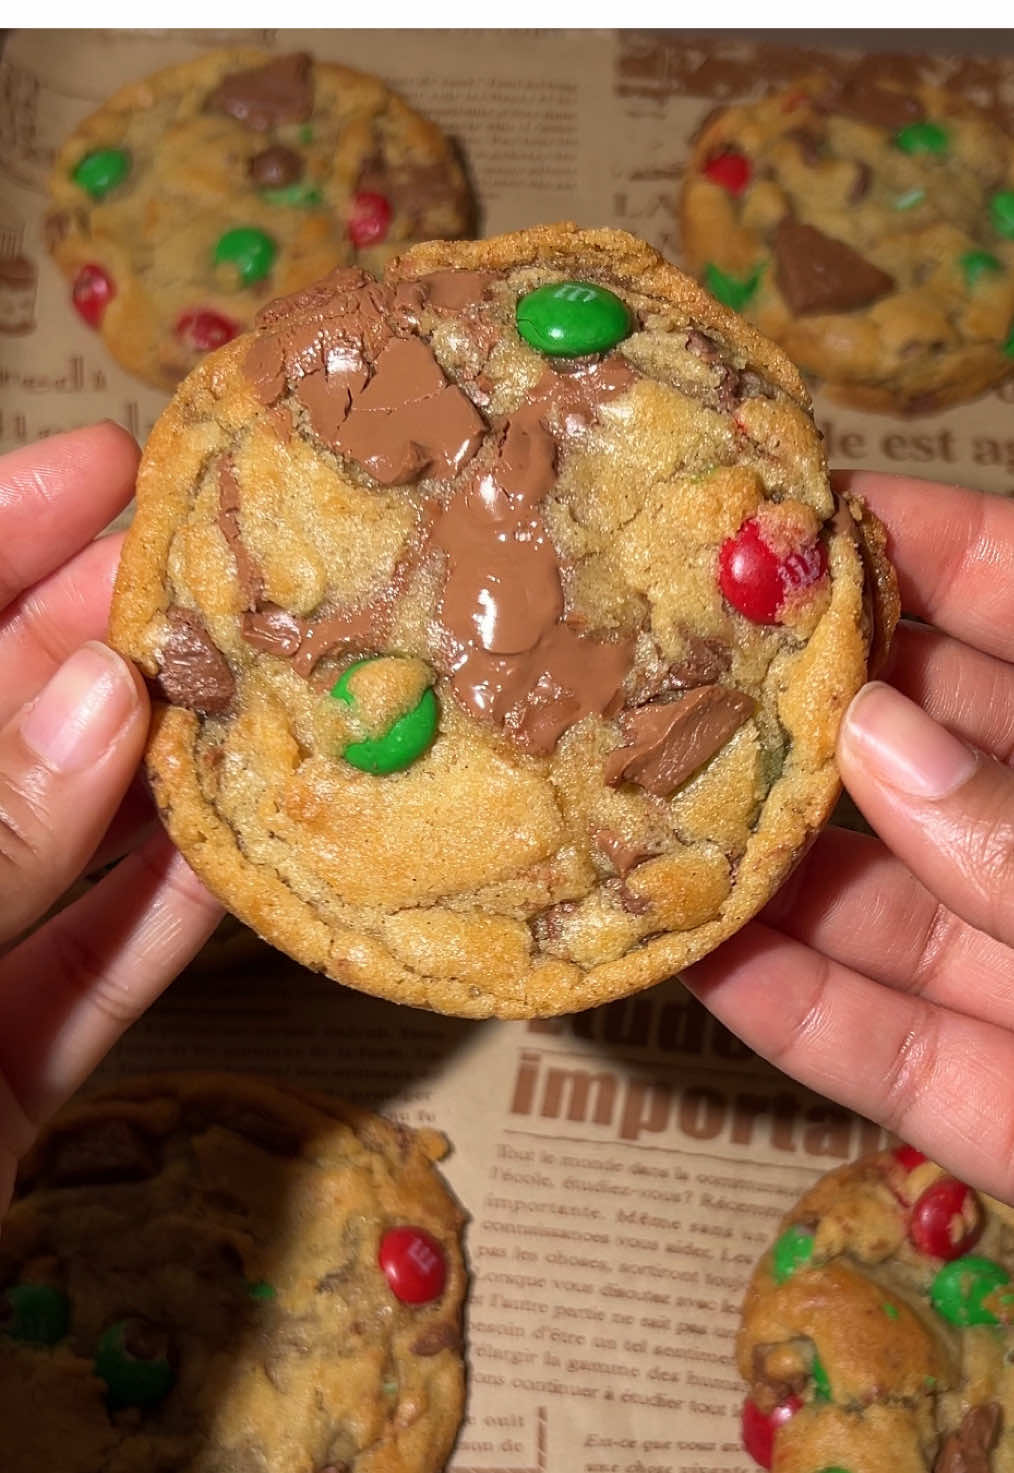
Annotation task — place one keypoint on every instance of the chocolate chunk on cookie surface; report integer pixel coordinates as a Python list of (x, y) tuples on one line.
[(190, 199), (866, 226), (539, 614), (210, 1271)]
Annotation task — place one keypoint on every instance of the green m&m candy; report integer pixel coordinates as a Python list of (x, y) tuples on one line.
[(132, 1358), (36, 1313), (1001, 212), (250, 251), (922, 138), (978, 263), (404, 741), (792, 1250), (261, 1290), (1008, 346), (568, 319), (733, 291), (909, 199), (958, 1291), (102, 170), (821, 1384), (835, 1469)]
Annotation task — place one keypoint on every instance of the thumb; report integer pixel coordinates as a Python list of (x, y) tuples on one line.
[(66, 759), (944, 807)]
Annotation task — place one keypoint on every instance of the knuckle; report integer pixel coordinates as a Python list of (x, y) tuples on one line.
[(799, 1032), (911, 1070), (25, 826), (84, 973)]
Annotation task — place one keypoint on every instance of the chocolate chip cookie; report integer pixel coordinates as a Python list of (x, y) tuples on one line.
[(878, 1330), (869, 229), (502, 619), (212, 1273), (190, 199)]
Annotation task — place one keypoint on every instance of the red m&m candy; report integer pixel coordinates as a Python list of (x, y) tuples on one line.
[(205, 330), (947, 1220), (908, 1157), (758, 1428), (731, 170), (369, 220), (413, 1263), (757, 581), (91, 293)]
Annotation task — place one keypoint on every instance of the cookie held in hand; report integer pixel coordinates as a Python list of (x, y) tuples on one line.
[(503, 619), (207, 1271), (191, 198), (868, 227), (876, 1331)]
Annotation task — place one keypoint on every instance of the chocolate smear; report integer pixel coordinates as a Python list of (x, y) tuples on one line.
[(861, 183), (193, 671), (622, 855), (273, 630), (968, 1449), (816, 273), (275, 167), (665, 743), (514, 658), (436, 1337), (250, 581), (280, 91), (869, 101)]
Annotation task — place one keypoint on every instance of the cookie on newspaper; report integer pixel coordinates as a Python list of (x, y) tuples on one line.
[(503, 618), (868, 227), (209, 1273), (878, 1330), (190, 199)]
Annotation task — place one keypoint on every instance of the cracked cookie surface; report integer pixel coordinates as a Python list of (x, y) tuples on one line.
[(214, 1274), (877, 1330), (497, 680), (869, 229), (191, 198)]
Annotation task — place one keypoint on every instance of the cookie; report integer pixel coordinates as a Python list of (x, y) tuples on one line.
[(502, 619), (212, 1273), (189, 200), (878, 1330), (868, 228)]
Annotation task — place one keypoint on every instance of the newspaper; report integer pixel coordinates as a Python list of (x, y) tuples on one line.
[(622, 1168)]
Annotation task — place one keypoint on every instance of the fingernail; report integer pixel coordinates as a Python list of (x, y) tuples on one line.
[(903, 747), (81, 711)]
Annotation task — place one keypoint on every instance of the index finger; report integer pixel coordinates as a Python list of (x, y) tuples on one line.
[(57, 495), (954, 552)]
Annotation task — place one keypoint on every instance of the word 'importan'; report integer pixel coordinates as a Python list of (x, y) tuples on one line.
[(637, 1109)]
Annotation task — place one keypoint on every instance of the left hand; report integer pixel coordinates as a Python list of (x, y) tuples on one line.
[(73, 721)]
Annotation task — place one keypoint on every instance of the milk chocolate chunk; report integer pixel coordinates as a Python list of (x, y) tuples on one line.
[(193, 671), (280, 91), (105, 1151), (665, 743), (968, 1449), (816, 273), (869, 101), (621, 855), (275, 167), (409, 421), (273, 630), (454, 291), (248, 574)]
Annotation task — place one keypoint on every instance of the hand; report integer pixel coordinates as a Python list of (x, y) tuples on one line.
[(882, 974), (73, 720)]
